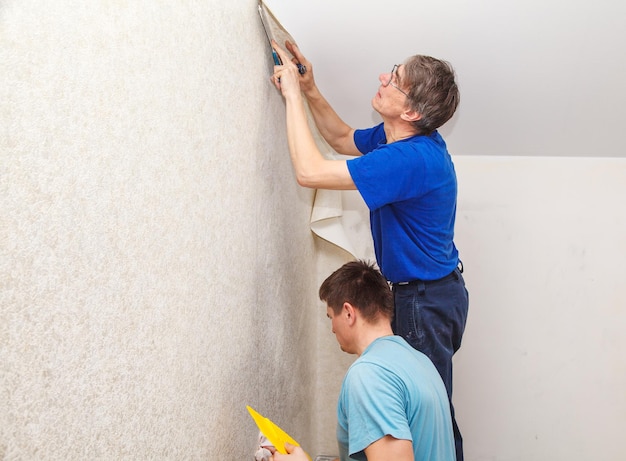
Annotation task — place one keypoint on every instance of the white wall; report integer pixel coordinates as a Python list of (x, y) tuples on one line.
[(537, 77), (541, 374)]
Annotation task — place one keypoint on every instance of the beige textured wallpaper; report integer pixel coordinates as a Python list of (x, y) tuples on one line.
[(157, 271)]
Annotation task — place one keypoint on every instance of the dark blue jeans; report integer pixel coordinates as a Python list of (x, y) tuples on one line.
[(431, 317)]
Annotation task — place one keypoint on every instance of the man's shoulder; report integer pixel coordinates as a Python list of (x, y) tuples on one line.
[(387, 352)]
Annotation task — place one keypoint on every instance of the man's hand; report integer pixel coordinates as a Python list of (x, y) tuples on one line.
[(307, 82), (294, 454), (286, 76)]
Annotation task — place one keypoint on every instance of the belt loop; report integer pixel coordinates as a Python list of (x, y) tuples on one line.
[(460, 266), (421, 287)]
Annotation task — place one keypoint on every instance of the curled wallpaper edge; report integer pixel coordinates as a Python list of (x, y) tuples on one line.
[(328, 204), (326, 219)]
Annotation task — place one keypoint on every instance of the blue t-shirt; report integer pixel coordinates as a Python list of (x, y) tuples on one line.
[(410, 189), (393, 389)]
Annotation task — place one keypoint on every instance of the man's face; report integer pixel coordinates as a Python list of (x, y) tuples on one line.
[(391, 98), (339, 328)]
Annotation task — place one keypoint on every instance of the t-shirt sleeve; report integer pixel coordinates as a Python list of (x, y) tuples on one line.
[(367, 140), (376, 407)]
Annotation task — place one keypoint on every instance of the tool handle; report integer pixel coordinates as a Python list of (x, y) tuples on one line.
[(277, 60)]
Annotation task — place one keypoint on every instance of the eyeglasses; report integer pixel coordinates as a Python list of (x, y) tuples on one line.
[(390, 81)]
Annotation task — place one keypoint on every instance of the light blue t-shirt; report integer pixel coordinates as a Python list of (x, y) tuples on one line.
[(410, 189), (393, 389)]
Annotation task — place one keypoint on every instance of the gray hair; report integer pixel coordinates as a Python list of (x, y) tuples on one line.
[(432, 91)]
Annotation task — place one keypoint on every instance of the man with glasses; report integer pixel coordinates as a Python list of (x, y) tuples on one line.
[(406, 177)]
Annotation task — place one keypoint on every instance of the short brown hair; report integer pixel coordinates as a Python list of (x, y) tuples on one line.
[(432, 91), (362, 285)]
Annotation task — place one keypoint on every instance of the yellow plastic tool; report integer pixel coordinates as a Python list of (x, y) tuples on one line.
[(274, 434)]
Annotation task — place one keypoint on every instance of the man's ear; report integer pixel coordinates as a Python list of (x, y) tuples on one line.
[(410, 115), (349, 312)]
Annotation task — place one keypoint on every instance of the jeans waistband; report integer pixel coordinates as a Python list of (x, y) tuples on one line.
[(451, 275), (455, 274)]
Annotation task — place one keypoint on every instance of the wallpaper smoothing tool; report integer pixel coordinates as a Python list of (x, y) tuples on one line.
[(263, 12), (274, 434)]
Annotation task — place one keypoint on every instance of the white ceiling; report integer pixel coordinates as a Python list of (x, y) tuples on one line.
[(537, 77)]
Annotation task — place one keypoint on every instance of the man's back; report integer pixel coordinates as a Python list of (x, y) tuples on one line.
[(392, 389)]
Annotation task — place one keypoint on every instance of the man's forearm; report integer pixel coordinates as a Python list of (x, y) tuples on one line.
[(334, 130), (304, 152), (311, 168)]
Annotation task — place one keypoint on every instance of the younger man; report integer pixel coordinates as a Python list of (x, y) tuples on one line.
[(393, 404)]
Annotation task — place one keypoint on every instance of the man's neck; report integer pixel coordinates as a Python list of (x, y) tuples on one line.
[(371, 334), (398, 132)]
